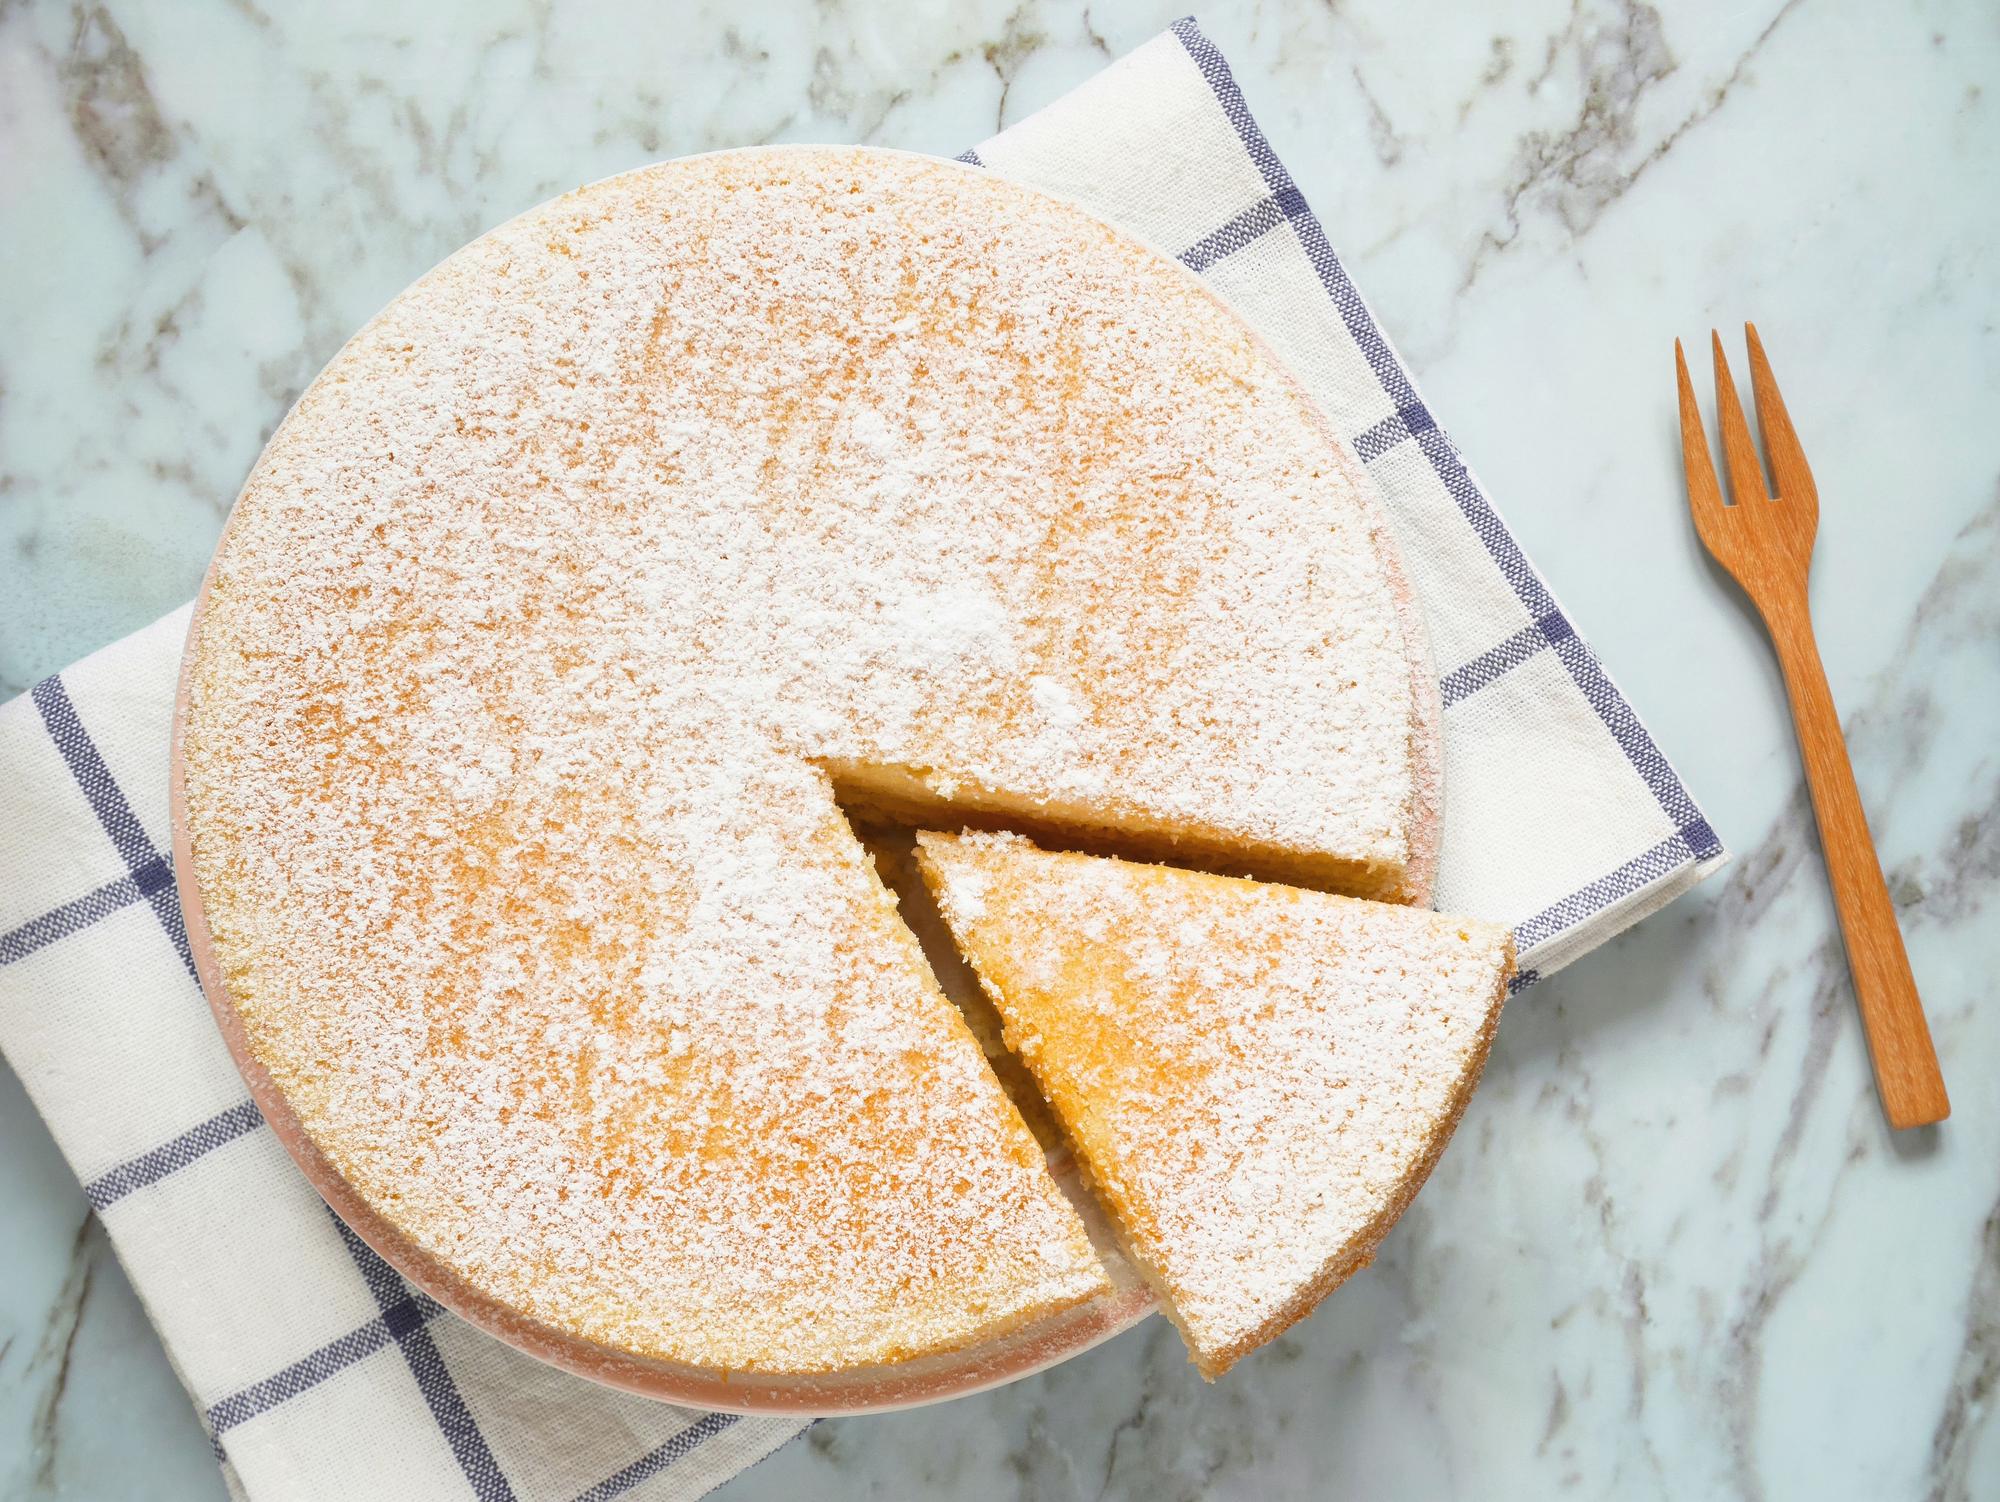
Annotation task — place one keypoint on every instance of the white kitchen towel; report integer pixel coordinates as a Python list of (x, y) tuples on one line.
[(319, 1372)]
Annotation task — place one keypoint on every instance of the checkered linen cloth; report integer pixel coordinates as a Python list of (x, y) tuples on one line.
[(322, 1374)]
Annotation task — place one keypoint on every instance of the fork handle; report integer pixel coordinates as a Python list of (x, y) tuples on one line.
[(1906, 1066)]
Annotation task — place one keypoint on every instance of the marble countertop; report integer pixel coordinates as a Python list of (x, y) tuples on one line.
[(1674, 1252)]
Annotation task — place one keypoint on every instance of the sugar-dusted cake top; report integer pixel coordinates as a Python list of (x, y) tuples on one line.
[(542, 618)]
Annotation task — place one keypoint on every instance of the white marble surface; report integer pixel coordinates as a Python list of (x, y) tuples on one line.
[(1673, 1253)]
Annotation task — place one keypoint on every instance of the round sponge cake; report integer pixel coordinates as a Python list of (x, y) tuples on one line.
[(566, 603)]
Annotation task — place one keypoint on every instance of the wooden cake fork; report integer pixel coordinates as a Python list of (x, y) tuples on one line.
[(1766, 544)]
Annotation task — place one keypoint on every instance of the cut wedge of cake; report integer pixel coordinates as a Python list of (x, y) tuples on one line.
[(1257, 1078)]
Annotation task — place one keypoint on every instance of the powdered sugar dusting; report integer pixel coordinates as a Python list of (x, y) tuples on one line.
[(1252, 1073), (537, 618)]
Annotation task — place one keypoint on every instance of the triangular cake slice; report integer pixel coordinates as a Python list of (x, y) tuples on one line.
[(1256, 1077)]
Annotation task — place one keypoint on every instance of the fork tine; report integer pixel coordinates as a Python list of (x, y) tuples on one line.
[(1781, 440), (1746, 474), (1704, 493)]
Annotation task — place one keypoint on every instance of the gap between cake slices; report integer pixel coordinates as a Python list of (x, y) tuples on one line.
[(923, 798)]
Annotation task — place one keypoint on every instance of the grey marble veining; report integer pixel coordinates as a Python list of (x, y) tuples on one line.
[(1673, 1252)]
